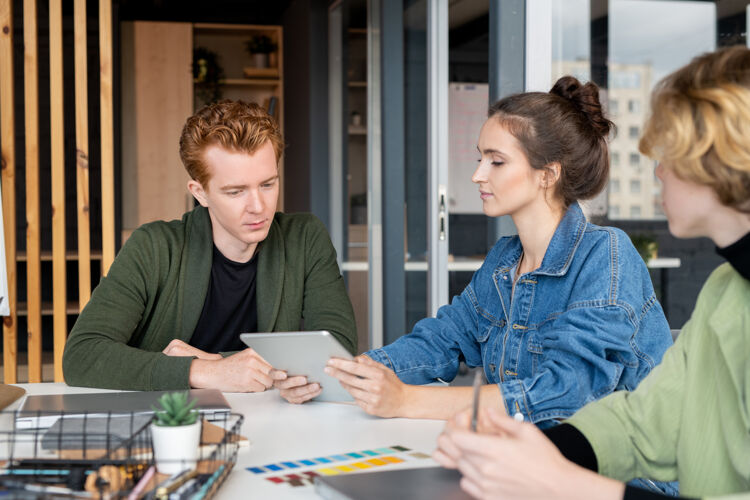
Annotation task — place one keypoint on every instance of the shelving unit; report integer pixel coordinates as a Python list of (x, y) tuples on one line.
[(241, 79), (159, 93)]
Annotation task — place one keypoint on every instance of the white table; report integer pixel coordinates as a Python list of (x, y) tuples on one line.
[(279, 431)]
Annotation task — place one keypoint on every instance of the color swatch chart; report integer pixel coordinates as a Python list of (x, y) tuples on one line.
[(302, 472)]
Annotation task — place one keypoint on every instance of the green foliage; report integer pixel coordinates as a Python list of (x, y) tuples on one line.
[(260, 44), (175, 410), (208, 75), (646, 245)]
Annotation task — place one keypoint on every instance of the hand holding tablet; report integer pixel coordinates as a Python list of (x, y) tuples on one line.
[(303, 356)]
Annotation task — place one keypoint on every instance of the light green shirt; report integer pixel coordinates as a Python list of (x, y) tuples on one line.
[(689, 420)]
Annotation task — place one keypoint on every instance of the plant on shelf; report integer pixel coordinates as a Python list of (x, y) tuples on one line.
[(646, 245), (208, 75), (176, 432), (261, 48)]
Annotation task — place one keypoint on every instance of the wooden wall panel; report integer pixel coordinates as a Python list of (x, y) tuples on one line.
[(7, 140), (33, 257), (82, 154), (33, 180), (107, 134), (57, 167)]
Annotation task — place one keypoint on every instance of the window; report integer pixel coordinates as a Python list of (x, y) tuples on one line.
[(635, 186), (633, 132), (630, 45), (624, 79)]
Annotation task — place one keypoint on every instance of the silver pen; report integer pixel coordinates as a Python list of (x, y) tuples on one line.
[(475, 403)]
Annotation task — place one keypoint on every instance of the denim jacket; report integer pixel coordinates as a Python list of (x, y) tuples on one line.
[(582, 325)]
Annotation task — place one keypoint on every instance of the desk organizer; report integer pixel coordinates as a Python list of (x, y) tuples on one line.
[(106, 455)]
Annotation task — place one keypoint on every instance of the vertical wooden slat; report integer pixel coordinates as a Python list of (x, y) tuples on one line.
[(33, 261), (82, 153), (57, 139), (107, 118), (7, 139)]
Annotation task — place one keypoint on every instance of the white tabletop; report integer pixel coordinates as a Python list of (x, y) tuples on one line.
[(279, 431)]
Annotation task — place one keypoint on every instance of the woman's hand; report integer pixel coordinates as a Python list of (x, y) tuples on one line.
[(516, 461), (375, 388), (295, 389), (179, 348)]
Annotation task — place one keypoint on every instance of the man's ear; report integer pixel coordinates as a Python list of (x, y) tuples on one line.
[(551, 174), (196, 189)]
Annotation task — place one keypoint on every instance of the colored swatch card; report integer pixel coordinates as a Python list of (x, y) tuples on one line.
[(290, 473), (331, 459)]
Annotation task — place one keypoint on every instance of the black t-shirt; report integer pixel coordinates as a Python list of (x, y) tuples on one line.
[(230, 307)]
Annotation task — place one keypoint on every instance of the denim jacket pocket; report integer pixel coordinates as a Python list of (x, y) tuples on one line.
[(536, 351), (486, 324)]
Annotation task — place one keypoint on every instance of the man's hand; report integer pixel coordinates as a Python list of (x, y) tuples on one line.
[(295, 389), (375, 388), (244, 371), (179, 348)]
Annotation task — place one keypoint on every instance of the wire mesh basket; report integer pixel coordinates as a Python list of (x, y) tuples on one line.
[(109, 455)]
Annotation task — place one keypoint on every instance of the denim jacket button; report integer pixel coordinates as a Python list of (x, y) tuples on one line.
[(505, 276), (492, 367)]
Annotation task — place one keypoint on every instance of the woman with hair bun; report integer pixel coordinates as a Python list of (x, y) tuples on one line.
[(558, 316), (689, 419)]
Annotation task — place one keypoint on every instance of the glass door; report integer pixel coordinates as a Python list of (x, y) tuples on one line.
[(406, 105)]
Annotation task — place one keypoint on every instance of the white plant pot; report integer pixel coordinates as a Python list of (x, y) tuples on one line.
[(176, 448), (260, 60)]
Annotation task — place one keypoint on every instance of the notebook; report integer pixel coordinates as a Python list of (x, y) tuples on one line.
[(41, 411), (431, 483)]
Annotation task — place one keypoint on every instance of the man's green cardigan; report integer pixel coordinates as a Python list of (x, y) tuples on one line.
[(155, 290)]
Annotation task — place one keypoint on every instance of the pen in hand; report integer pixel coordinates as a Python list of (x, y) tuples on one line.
[(475, 402)]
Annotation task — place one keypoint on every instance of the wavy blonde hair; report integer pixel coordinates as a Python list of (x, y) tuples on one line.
[(700, 124), (234, 125)]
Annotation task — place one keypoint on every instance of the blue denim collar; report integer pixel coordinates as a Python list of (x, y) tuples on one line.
[(561, 247)]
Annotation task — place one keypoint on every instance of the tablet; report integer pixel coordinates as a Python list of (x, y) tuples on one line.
[(303, 353)]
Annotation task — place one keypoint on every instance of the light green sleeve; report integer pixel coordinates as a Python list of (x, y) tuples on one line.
[(634, 434), (733, 496)]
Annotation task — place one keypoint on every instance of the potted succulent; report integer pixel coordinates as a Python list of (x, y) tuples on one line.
[(261, 47), (176, 433)]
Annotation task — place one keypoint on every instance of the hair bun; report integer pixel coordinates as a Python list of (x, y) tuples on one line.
[(585, 97)]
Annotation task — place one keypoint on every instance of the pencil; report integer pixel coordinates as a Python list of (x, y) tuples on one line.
[(135, 493)]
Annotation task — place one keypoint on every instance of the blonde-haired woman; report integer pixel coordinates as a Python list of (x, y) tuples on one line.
[(689, 420)]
